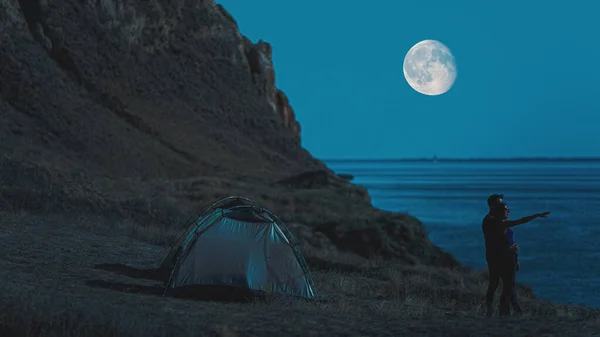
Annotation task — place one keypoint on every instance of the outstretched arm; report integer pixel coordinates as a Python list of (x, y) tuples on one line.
[(525, 220)]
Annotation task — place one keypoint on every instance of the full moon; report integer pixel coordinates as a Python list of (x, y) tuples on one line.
[(430, 68)]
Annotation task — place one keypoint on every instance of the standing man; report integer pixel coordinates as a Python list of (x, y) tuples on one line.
[(500, 255)]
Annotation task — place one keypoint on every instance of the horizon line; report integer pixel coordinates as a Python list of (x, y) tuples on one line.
[(447, 159)]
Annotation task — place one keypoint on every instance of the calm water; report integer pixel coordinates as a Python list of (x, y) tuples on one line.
[(560, 256)]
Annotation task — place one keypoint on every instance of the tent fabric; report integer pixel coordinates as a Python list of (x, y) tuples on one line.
[(242, 246)]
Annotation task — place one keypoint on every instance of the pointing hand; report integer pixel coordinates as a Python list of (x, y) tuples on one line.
[(544, 215)]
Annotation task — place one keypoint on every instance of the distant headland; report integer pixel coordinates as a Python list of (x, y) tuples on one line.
[(466, 159)]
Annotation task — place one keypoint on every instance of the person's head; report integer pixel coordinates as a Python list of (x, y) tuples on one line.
[(497, 206)]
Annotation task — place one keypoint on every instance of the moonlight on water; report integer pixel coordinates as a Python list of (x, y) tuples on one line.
[(430, 68)]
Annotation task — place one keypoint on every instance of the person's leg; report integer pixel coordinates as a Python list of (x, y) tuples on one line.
[(514, 301), (494, 281), (507, 274)]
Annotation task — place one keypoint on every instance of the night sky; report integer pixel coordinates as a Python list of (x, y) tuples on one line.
[(527, 84)]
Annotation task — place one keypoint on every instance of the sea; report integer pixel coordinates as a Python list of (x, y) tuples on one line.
[(559, 256)]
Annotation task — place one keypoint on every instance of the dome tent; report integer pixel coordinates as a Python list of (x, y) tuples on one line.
[(237, 244)]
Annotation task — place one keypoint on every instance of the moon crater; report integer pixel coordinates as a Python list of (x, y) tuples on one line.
[(430, 68)]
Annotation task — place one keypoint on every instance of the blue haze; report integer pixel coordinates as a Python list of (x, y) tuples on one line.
[(559, 255), (527, 80)]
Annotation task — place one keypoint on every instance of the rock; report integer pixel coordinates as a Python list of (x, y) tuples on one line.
[(346, 176), (286, 112), (326, 179), (312, 179), (260, 63), (361, 192), (389, 236)]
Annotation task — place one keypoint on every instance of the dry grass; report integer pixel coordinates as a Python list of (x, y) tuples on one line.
[(48, 291), (353, 284)]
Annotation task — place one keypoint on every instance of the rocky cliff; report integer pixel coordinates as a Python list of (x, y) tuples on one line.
[(151, 109), (260, 61), (259, 58), (111, 82)]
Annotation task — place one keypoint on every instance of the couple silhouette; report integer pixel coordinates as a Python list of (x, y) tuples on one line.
[(501, 252)]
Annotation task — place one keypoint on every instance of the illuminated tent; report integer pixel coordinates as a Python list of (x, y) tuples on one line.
[(237, 244)]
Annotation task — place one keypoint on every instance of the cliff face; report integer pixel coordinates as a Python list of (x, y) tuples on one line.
[(260, 62), (157, 89)]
